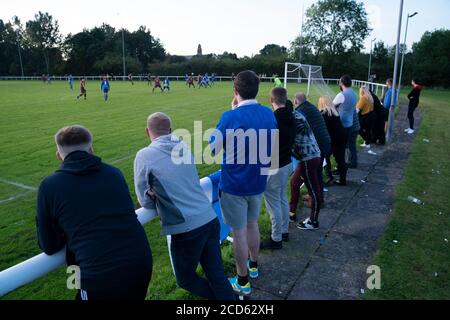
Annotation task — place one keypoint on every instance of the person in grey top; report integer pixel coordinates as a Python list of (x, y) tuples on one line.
[(166, 179)]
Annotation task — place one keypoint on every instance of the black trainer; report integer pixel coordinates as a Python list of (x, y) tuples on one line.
[(269, 244), (340, 183), (285, 237), (308, 225)]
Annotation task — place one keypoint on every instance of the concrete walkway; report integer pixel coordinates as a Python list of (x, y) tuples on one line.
[(331, 263)]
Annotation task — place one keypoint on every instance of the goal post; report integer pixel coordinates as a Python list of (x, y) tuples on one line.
[(300, 72)]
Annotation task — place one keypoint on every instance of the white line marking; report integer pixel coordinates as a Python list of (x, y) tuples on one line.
[(18, 184), (20, 195)]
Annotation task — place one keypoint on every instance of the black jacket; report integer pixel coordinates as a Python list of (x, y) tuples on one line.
[(336, 129), (317, 124), (86, 206), (286, 126), (414, 96)]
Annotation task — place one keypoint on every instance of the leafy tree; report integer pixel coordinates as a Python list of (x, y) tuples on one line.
[(336, 26), (273, 50), (43, 34)]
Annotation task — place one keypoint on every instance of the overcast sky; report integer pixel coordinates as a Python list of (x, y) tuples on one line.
[(239, 26)]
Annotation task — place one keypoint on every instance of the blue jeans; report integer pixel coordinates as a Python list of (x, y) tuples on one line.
[(201, 245), (353, 153)]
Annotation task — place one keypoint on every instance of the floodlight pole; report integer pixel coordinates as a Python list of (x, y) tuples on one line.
[(394, 84), (370, 59), (403, 53), (123, 54)]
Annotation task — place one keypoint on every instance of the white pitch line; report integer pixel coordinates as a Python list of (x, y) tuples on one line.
[(18, 184), (20, 195)]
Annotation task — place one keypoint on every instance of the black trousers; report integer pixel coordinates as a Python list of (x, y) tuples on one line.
[(367, 123), (129, 283), (411, 109), (339, 155)]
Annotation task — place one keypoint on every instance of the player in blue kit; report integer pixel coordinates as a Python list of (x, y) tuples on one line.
[(70, 79), (166, 85), (105, 87)]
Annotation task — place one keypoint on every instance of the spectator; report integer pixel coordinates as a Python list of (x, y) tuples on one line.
[(366, 115), (345, 103), (378, 134), (338, 138), (307, 152), (387, 102), (243, 181), (86, 207), (165, 183), (319, 128), (413, 98), (275, 194)]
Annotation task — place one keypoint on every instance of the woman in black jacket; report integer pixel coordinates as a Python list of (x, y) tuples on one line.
[(413, 98), (338, 139)]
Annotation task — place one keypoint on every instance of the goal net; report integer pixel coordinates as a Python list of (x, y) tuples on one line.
[(309, 77)]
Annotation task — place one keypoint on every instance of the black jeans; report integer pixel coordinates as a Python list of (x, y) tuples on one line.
[(411, 109), (339, 156), (325, 153), (351, 145), (201, 245)]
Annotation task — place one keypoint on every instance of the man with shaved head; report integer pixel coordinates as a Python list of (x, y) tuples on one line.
[(166, 182)]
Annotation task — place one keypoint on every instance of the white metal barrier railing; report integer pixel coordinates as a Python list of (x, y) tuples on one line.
[(42, 264)]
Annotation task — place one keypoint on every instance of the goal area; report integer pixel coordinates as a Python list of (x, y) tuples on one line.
[(309, 75)]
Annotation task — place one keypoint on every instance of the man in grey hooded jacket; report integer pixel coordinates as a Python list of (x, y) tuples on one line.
[(166, 180)]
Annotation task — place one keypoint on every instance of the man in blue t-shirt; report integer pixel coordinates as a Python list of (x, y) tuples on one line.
[(245, 134)]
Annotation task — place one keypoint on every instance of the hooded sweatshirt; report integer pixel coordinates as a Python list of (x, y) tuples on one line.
[(167, 168), (86, 205)]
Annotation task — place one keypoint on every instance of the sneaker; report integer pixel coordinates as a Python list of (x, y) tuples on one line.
[(245, 290), (411, 131), (364, 145), (308, 225), (285, 237), (406, 130), (270, 244), (252, 272)]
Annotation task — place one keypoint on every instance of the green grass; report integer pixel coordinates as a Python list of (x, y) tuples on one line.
[(418, 267), (31, 113)]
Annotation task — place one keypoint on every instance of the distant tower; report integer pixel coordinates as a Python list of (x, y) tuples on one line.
[(199, 50)]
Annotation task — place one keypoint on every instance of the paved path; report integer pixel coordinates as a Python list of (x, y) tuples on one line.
[(331, 263)]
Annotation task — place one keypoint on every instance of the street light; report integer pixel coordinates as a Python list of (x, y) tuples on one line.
[(370, 58), (403, 53)]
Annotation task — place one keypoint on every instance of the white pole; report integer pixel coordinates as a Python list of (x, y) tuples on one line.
[(394, 84), (285, 74), (123, 55), (309, 81)]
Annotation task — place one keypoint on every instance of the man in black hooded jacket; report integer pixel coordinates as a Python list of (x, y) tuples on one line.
[(86, 207)]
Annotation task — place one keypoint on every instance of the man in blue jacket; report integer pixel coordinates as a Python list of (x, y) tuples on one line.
[(387, 102), (245, 135), (86, 207)]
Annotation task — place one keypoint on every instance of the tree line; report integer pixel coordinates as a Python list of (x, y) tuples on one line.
[(333, 37)]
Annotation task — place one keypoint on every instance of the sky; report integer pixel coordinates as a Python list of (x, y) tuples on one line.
[(239, 26)]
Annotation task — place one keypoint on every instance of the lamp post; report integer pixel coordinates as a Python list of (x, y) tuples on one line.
[(403, 53), (394, 84), (370, 59), (123, 55)]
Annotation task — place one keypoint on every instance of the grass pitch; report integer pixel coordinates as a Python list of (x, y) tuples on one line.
[(32, 112)]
